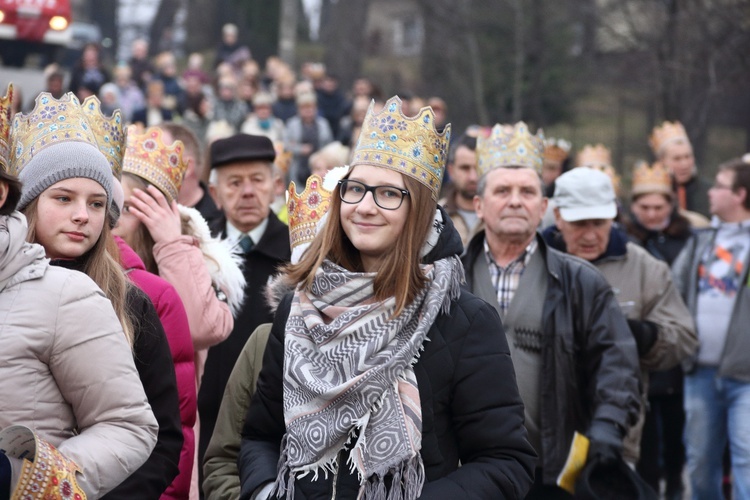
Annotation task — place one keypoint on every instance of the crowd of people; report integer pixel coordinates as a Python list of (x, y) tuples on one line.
[(235, 283)]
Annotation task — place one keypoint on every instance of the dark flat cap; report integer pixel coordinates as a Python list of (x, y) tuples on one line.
[(241, 147)]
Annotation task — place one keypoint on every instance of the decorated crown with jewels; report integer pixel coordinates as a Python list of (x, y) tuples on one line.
[(668, 132), (306, 210), (510, 146), (148, 157), (54, 121), (409, 145), (648, 179), (6, 102)]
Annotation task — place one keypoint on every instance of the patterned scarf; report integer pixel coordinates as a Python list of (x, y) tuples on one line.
[(348, 376)]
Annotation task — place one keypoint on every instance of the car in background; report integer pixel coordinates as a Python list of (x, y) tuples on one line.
[(33, 26)]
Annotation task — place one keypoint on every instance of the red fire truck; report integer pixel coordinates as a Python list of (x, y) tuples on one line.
[(33, 26)]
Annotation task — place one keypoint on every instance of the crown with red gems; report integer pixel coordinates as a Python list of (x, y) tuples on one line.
[(649, 179), (149, 158), (46, 473), (5, 111), (556, 150), (306, 210), (409, 145), (54, 121), (668, 132), (510, 146)]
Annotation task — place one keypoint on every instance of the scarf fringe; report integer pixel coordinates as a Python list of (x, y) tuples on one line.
[(407, 482)]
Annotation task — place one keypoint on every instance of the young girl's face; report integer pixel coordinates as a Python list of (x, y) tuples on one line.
[(70, 217), (128, 224)]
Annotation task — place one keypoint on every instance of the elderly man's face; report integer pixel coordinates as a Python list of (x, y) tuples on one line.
[(244, 190), (512, 204), (587, 239), (679, 160)]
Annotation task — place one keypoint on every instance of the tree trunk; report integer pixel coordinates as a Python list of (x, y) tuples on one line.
[(288, 31), (202, 25), (343, 36), (164, 20), (519, 60)]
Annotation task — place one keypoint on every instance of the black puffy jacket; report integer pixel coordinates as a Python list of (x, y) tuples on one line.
[(472, 412)]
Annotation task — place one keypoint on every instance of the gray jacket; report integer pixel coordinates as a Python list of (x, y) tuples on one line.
[(685, 270)]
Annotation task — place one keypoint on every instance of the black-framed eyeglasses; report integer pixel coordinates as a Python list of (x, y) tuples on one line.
[(386, 197)]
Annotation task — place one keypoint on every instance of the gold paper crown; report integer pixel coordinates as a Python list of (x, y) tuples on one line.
[(108, 132), (149, 158), (46, 473), (5, 112), (306, 210), (594, 156), (510, 147), (410, 146), (668, 132), (556, 149), (651, 179), (54, 121)]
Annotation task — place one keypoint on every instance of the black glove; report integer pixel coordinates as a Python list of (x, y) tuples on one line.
[(605, 442), (645, 334), (5, 477)]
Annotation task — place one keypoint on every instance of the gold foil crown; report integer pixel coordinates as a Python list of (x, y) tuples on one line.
[(409, 145), (509, 146), (306, 210), (6, 103), (668, 132), (650, 179), (54, 121), (149, 158), (594, 156), (556, 150)]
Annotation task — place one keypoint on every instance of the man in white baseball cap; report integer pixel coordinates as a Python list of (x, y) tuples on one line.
[(585, 209)]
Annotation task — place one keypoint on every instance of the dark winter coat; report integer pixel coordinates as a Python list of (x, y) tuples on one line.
[(590, 358)]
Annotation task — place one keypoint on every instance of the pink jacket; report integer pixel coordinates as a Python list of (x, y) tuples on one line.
[(175, 322), (181, 262)]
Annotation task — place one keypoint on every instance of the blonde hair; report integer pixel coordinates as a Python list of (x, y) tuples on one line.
[(102, 264), (399, 275)]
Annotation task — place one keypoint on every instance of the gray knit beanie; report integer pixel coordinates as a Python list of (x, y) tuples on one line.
[(61, 161)]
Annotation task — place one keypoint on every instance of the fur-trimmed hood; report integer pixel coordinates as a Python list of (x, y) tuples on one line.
[(224, 265)]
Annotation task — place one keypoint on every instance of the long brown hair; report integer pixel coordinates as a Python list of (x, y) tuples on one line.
[(101, 264), (142, 242), (399, 275)]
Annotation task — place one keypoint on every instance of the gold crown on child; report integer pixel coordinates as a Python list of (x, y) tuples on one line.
[(409, 145), (148, 157), (54, 121), (6, 102), (668, 132), (510, 146)]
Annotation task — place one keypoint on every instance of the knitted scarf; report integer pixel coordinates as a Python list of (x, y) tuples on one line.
[(348, 376)]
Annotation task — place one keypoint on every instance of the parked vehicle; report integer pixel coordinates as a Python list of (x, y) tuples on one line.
[(33, 26)]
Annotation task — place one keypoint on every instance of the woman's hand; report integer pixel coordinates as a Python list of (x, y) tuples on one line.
[(160, 218)]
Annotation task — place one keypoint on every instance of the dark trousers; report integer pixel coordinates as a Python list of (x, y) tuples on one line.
[(662, 448)]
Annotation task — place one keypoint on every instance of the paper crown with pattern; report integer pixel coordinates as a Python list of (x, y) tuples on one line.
[(668, 132), (650, 179), (510, 146), (6, 102), (556, 150), (306, 210), (46, 473), (409, 145), (148, 157), (55, 121)]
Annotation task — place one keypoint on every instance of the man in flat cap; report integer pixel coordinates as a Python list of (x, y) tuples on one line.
[(242, 184)]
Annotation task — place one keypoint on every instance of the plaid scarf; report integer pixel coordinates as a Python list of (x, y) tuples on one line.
[(348, 376)]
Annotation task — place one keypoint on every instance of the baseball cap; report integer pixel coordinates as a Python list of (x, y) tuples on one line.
[(584, 193)]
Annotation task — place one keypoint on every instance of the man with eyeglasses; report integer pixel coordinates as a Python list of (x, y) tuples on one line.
[(711, 272), (575, 359)]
